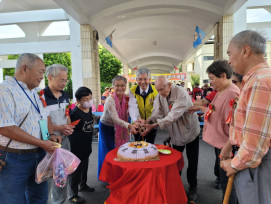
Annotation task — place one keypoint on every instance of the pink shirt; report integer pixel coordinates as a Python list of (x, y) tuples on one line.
[(215, 130)]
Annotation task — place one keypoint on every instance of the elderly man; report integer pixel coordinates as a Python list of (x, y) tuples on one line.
[(20, 104), (141, 100), (250, 130), (57, 100), (171, 112)]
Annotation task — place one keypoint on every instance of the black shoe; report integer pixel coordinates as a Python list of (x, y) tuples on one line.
[(217, 184), (192, 195), (86, 188), (77, 200)]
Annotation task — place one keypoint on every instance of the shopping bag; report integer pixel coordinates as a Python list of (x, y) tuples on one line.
[(65, 163), (44, 169)]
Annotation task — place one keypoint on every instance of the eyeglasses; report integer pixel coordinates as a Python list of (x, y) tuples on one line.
[(63, 81)]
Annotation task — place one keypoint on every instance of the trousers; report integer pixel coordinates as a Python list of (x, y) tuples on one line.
[(192, 152), (17, 179)]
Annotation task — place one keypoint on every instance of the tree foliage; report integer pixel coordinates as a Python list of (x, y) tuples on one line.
[(195, 78), (110, 66), (49, 59)]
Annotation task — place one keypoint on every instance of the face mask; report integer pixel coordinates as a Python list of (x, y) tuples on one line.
[(88, 104), (198, 97)]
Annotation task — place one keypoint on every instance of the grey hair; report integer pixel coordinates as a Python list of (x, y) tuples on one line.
[(251, 38), (143, 71), (118, 78), (53, 70), (27, 59)]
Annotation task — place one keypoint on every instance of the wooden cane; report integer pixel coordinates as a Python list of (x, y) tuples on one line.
[(228, 189)]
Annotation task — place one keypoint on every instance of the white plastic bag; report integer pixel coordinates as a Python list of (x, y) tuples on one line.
[(58, 165), (44, 170), (65, 163)]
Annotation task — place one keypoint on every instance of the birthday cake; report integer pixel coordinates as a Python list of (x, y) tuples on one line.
[(137, 151)]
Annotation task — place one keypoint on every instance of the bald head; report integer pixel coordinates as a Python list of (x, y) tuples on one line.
[(163, 86), (161, 80)]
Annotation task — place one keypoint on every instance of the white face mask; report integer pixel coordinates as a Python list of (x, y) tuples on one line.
[(88, 104)]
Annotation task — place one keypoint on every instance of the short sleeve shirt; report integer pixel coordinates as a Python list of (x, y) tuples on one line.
[(14, 106)]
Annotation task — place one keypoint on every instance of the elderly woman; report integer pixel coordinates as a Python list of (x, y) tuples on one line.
[(216, 130), (113, 126)]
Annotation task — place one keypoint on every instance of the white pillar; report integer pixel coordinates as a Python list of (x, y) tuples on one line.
[(223, 32), (1, 75), (126, 72), (76, 59)]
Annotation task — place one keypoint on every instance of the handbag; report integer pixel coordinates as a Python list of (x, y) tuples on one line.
[(3, 155)]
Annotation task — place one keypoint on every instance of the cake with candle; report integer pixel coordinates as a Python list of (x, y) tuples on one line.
[(137, 151)]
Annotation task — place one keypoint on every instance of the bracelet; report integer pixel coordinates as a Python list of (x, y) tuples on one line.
[(234, 168)]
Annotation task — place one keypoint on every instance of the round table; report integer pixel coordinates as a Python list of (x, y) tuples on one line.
[(148, 182)]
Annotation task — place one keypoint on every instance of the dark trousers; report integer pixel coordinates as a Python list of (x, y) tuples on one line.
[(192, 153), (150, 137), (217, 166), (224, 181), (79, 177)]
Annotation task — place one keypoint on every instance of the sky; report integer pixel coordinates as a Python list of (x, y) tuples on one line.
[(258, 15), (55, 28), (62, 27)]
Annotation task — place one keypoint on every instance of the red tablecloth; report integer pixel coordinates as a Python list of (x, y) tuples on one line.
[(149, 182)]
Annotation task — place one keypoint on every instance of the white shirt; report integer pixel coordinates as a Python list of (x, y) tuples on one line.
[(110, 115), (133, 106), (14, 106)]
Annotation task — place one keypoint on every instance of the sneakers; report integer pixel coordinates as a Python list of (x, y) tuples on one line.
[(192, 195), (217, 184), (86, 188), (77, 200)]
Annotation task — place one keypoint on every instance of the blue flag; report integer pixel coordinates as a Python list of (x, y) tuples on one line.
[(198, 36), (108, 40)]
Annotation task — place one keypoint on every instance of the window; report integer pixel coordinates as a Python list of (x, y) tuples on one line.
[(208, 58)]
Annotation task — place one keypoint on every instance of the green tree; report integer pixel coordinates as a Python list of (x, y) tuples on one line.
[(110, 66), (195, 78), (49, 59)]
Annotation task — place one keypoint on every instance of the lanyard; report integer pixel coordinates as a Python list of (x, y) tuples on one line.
[(36, 106)]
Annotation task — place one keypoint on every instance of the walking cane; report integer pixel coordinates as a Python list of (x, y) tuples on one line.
[(228, 189)]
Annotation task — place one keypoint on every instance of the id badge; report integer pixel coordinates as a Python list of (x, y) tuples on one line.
[(44, 129)]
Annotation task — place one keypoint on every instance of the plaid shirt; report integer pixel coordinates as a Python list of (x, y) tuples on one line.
[(251, 129)]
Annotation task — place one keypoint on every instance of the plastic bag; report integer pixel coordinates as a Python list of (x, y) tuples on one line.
[(65, 163), (58, 165), (44, 170)]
